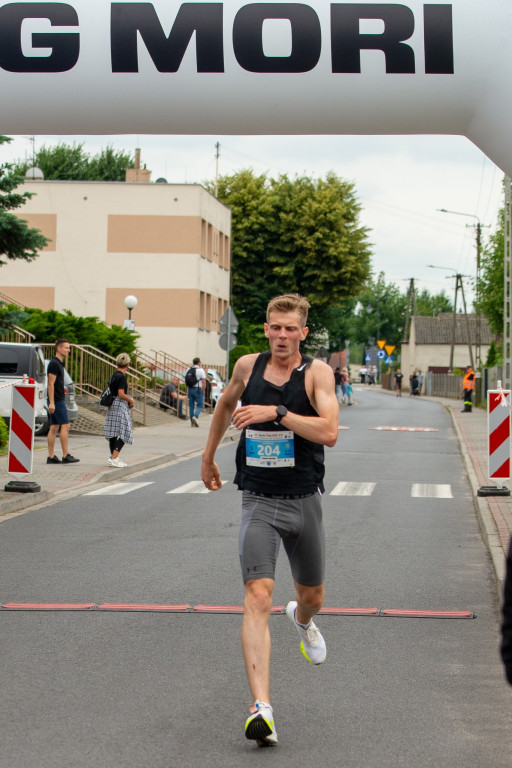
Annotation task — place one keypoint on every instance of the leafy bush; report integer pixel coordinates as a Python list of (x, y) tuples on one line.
[(50, 325), (4, 437)]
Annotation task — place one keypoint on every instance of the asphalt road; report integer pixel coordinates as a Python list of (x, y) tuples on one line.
[(136, 689)]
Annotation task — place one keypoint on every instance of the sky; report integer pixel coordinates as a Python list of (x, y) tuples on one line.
[(399, 181)]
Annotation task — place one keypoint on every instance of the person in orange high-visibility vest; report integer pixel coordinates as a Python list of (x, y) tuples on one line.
[(468, 385)]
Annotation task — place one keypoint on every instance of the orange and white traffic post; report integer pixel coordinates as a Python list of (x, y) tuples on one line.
[(21, 437), (498, 421)]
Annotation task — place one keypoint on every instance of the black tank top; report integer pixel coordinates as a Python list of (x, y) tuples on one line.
[(307, 474)]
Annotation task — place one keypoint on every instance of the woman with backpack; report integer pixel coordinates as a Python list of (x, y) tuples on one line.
[(118, 422)]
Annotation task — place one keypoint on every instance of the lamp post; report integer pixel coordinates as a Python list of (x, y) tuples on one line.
[(130, 303), (478, 232)]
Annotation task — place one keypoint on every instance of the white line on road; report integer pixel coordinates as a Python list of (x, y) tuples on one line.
[(426, 491), (117, 489), (195, 486), (353, 489)]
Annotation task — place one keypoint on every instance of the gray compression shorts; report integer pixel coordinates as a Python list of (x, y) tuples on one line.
[(297, 522)]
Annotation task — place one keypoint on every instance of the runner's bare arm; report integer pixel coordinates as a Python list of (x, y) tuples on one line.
[(210, 473), (321, 429)]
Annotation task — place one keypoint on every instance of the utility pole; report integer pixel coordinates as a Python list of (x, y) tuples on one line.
[(507, 293), (217, 155), (478, 232), (458, 286), (411, 306)]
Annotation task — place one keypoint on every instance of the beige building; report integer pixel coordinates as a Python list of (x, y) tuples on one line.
[(431, 338), (166, 244)]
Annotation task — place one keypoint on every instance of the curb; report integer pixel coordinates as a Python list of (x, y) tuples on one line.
[(486, 522)]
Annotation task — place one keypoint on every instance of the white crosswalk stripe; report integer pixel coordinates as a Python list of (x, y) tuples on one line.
[(353, 489), (195, 486), (117, 489), (343, 488), (426, 491)]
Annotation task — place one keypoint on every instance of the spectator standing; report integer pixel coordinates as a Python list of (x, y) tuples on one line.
[(338, 385), (195, 379), (362, 373), (57, 410), (118, 422), (398, 383), (420, 382), (468, 386)]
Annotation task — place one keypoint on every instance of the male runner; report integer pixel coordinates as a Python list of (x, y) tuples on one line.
[(289, 412)]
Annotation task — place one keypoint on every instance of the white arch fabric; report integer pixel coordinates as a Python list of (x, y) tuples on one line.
[(234, 67)]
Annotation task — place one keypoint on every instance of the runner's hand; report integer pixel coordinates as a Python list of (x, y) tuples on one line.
[(210, 475)]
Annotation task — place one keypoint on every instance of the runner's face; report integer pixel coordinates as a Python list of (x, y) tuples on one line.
[(63, 349), (284, 332)]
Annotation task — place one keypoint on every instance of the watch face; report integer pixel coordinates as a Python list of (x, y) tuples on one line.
[(282, 411)]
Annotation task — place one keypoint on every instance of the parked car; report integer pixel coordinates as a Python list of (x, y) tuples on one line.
[(217, 383), (16, 360), (43, 425)]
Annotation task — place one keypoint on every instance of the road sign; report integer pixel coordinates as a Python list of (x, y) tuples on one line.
[(225, 344), (389, 360), (368, 358), (381, 343), (228, 322), (381, 354), (389, 349)]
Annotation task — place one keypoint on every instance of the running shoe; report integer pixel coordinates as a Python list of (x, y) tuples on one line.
[(194, 421), (260, 725), (312, 643), (116, 463)]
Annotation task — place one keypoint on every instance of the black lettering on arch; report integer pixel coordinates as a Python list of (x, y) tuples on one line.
[(347, 42), (130, 19), (248, 42)]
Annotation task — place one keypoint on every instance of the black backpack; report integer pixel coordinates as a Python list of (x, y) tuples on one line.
[(191, 377), (107, 397)]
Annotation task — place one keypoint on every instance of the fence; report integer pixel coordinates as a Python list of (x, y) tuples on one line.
[(90, 369)]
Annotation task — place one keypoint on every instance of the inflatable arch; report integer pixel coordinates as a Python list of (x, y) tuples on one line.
[(235, 67)]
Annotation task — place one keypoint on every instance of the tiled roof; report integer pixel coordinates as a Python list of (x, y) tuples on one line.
[(439, 330)]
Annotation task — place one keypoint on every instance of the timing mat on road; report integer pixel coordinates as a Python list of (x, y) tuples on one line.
[(220, 609)]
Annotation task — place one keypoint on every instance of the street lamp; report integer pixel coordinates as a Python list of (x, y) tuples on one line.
[(130, 303)]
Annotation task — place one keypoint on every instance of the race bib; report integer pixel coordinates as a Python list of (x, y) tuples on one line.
[(269, 449)]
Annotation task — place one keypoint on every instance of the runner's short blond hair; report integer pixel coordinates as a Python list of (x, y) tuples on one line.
[(290, 302)]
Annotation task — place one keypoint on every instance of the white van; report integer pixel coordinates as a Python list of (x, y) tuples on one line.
[(15, 361)]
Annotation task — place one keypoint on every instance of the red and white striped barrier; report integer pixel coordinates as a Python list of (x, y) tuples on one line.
[(21, 436), (498, 420)]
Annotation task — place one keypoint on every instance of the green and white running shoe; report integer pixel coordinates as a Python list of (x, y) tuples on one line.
[(260, 725), (312, 643)]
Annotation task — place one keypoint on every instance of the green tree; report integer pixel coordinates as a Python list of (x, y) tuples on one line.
[(301, 235), (492, 279), (381, 313), (65, 162), (428, 304), (17, 239)]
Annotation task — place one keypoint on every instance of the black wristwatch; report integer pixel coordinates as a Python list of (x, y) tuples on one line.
[(281, 413)]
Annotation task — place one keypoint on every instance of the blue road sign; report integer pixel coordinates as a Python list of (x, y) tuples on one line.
[(390, 359), (381, 354)]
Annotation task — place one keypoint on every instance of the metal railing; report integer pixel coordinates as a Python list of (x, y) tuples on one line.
[(18, 336), (91, 369)]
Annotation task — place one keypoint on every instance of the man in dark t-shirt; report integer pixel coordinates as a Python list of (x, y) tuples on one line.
[(57, 410)]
